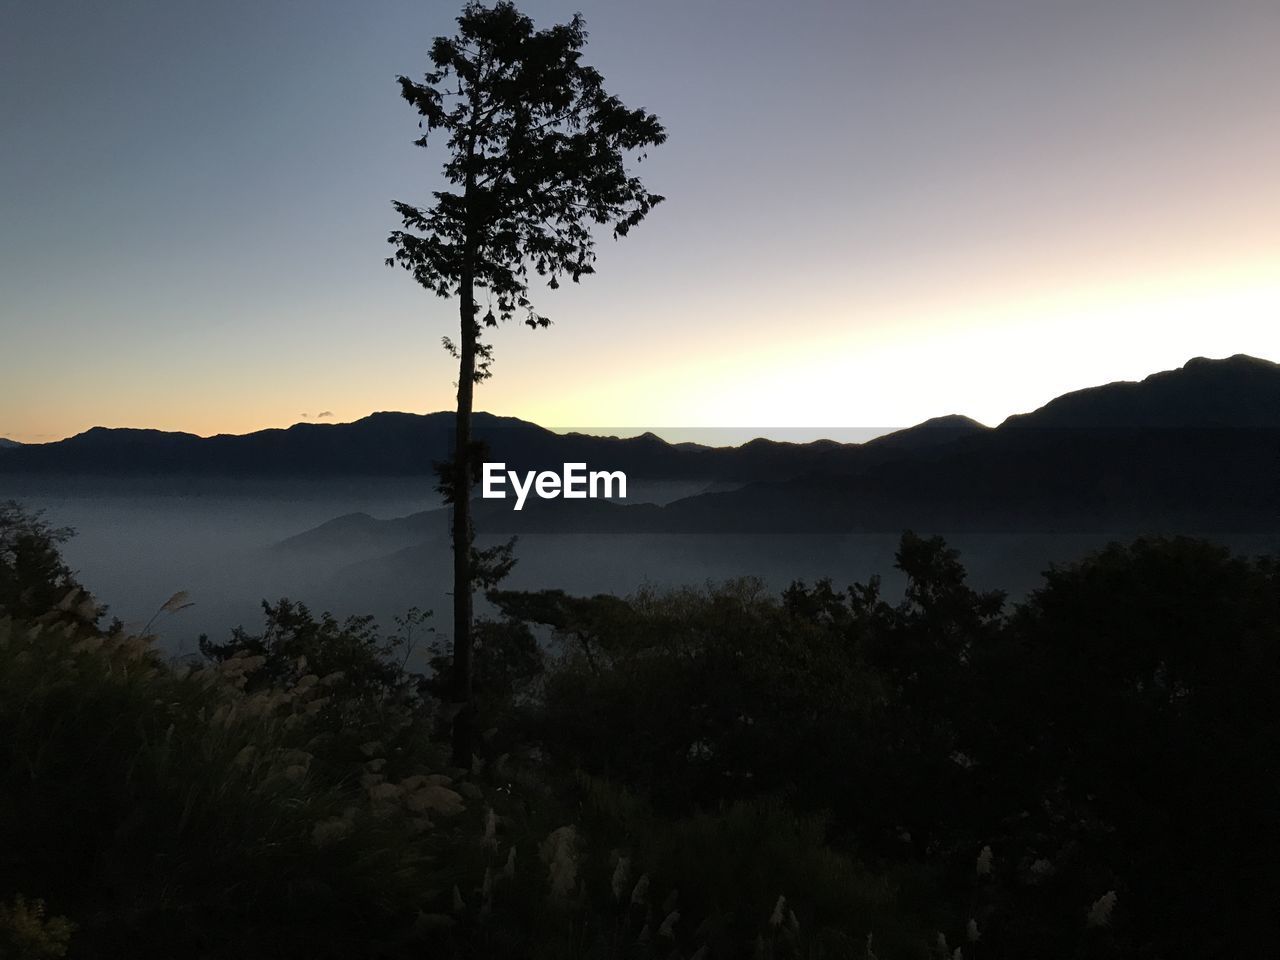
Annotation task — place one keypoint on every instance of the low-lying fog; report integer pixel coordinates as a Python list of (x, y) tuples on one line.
[(138, 543)]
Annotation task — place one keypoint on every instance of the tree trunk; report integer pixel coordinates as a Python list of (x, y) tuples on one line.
[(462, 722)]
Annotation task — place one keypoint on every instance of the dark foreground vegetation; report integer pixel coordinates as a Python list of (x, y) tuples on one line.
[(705, 773)]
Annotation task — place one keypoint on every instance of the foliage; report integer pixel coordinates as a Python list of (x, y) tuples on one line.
[(27, 933), (730, 695), (539, 149), (509, 663), (691, 773), (1131, 718), (34, 579), (294, 643), (171, 811), (747, 875), (1069, 771)]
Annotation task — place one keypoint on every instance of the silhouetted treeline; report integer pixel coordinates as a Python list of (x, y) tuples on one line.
[(718, 772)]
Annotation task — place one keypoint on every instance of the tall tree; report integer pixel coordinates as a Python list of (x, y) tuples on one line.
[(537, 157)]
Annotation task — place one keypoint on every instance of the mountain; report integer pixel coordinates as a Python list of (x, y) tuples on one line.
[(359, 533), (1240, 391), (1194, 448), (1191, 450), (404, 444), (6, 444)]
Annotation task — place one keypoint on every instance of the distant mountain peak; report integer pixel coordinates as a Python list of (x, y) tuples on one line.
[(1239, 361), (96, 435), (951, 421), (1237, 391), (932, 433)]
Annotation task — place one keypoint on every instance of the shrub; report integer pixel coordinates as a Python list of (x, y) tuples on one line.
[(174, 812)]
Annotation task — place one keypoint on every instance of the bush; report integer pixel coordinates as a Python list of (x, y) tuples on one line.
[(34, 579), (173, 812)]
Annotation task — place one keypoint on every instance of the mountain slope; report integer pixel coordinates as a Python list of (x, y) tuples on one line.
[(1196, 448), (1191, 450), (1240, 391)]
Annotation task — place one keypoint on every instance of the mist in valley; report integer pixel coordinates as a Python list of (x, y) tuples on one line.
[(137, 543)]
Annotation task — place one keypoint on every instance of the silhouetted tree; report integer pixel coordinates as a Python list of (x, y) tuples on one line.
[(537, 153), (35, 580)]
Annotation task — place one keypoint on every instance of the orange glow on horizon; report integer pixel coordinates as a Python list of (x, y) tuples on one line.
[(987, 359)]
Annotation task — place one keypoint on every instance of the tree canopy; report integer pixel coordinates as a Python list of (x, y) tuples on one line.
[(539, 151)]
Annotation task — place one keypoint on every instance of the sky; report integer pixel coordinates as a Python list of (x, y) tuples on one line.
[(878, 211)]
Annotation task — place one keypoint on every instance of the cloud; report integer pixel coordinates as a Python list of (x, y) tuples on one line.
[(304, 415), (324, 413)]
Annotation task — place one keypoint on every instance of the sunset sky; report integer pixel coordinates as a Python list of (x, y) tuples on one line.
[(878, 211)]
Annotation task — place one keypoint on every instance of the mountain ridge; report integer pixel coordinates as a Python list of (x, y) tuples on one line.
[(404, 444), (1239, 392), (1100, 461), (1172, 397)]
